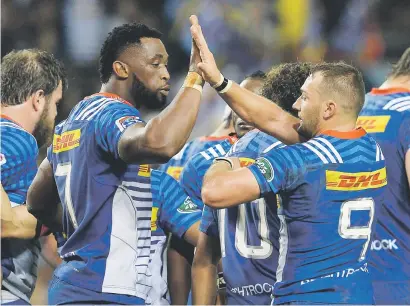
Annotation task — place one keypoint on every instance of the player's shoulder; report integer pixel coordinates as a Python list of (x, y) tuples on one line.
[(16, 141), (388, 100)]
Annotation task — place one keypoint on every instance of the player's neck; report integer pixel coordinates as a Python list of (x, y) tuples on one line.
[(21, 115), (397, 82), (120, 90), (222, 131), (340, 126)]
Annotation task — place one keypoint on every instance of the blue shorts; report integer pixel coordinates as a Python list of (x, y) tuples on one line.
[(61, 292)]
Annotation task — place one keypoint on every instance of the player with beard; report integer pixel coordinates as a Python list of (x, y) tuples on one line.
[(97, 167), (32, 84)]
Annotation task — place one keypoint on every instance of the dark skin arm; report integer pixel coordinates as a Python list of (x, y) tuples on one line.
[(165, 134), (43, 201), (204, 270)]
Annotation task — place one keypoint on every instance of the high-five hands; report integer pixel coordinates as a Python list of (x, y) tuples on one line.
[(207, 67)]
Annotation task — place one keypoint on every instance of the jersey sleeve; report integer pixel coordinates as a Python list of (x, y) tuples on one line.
[(191, 182), (278, 170), (405, 133), (112, 123), (209, 222), (176, 211)]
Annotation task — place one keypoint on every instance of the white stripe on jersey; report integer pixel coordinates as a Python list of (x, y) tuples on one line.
[(89, 107), (220, 149), (283, 247), (12, 125), (377, 152), (92, 112), (272, 146), (146, 186), (213, 152), (323, 149), (206, 156), (332, 148), (401, 109), (401, 104), (393, 102), (320, 155), (233, 149), (140, 194)]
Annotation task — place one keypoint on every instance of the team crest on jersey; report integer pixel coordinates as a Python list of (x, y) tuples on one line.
[(265, 168), (124, 122), (373, 124), (66, 141), (2, 159), (346, 181), (175, 172), (245, 162), (188, 207), (154, 219)]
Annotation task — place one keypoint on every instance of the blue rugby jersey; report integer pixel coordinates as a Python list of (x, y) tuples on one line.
[(18, 167), (176, 164), (248, 233), (173, 211), (330, 188), (107, 203), (386, 115)]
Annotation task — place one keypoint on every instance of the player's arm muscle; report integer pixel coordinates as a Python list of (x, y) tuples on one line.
[(16, 222), (43, 199), (192, 234), (224, 187), (204, 273)]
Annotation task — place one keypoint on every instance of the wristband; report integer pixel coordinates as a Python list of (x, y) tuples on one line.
[(223, 85), (223, 159), (221, 79), (194, 80)]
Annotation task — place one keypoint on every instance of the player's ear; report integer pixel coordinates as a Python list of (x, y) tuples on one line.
[(38, 100), (329, 109), (120, 69)]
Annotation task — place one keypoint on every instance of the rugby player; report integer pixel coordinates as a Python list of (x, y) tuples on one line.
[(97, 168), (386, 115), (32, 85)]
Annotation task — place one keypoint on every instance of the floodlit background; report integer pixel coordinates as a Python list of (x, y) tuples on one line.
[(244, 35)]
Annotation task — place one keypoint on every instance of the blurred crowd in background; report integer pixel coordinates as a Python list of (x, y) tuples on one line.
[(244, 35)]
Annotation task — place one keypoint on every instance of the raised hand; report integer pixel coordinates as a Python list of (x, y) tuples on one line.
[(207, 66)]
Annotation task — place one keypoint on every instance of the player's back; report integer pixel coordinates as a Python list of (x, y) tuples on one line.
[(386, 114), (248, 233), (18, 167), (107, 203), (329, 188), (176, 164)]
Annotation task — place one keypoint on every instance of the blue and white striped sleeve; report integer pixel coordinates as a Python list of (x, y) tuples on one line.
[(176, 211), (209, 222), (111, 124), (278, 170)]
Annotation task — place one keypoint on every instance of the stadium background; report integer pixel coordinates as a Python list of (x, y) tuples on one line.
[(244, 35)]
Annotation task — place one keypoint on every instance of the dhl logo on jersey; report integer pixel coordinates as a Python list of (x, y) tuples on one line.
[(245, 162), (66, 141), (154, 219), (373, 124), (175, 172), (346, 181), (144, 170)]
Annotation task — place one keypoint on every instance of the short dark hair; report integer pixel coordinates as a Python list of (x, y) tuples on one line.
[(258, 75), (345, 81), (118, 40), (26, 71), (283, 84), (402, 67)]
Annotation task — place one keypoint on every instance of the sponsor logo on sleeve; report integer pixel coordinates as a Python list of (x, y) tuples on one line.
[(188, 207), (373, 124), (265, 168), (346, 181), (2, 159), (175, 172), (66, 141), (124, 122), (154, 219)]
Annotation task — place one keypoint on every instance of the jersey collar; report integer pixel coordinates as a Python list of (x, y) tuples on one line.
[(389, 91), (353, 134), (112, 96)]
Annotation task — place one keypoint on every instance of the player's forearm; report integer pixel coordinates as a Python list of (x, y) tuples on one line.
[(204, 289), (263, 113)]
